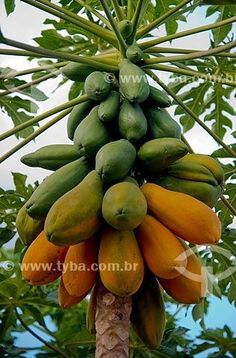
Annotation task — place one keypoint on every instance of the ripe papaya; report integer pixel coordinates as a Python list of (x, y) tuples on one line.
[(91, 311), (77, 71), (28, 228), (133, 82), (109, 108), (76, 116), (114, 160), (120, 249), (158, 98), (148, 312), (65, 300), (161, 124), (55, 185), (134, 53), (185, 216), (79, 275), (126, 28), (51, 157), (161, 250), (76, 216), (157, 154), (90, 135), (132, 121), (42, 262), (191, 285), (97, 86), (124, 206)]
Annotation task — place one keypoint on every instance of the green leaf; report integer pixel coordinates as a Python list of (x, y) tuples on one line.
[(33, 92), (7, 319), (5, 235), (222, 153), (51, 39), (9, 6)]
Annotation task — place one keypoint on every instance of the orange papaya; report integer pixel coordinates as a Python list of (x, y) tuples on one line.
[(42, 262), (65, 300), (162, 251), (185, 216)]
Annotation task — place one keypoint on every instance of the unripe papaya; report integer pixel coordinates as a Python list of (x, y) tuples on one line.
[(51, 157), (55, 185), (161, 124), (148, 312), (90, 135), (132, 121), (79, 276), (134, 53), (42, 262), (77, 71), (133, 82), (27, 227), (157, 154), (109, 108), (130, 179), (76, 216), (97, 86), (162, 251), (185, 216), (91, 311), (114, 160), (78, 113), (124, 206), (65, 300), (126, 28), (159, 98), (120, 249), (191, 285)]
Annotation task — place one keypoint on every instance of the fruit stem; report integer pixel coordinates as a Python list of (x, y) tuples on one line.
[(95, 13), (34, 135), (44, 115), (118, 10), (196, 30), (188, 110)]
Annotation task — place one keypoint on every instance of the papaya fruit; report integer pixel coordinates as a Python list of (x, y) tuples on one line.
[(134, 53), (130, 179), (76, 216), (28, 228), (65, 300), (133, 82), (51, 157), (90, 135), (109, 108), (161, 124), (132, 121), (91, 311), (77, 72), (126, 28), (157, 154), (114, 160), (191, 285), (120, 249), (42, 262), (148, 312), (162, 251), (55, 185), (78, 113), (79, 276), (124, 206), (185, 216), (158, 98), (97, 86)]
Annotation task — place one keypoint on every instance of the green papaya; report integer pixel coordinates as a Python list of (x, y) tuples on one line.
[(51, 157), (77, 71), (28, 228), (134, 53), (126, 28), (114, 160), (161, 124), (132, 121), (148, 312), (130, 179), (133, 82), (109, 108), (97, 86), (157, 154), (76, 216), (76, 116), (55, 185), (158, 98), (90, 135)]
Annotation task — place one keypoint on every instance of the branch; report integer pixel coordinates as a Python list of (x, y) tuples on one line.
[(196, 30), (117, 9), (228, 204), (44, 115), (188, 110), (95, 13), (136, 18), (129, 9), (4, 51)]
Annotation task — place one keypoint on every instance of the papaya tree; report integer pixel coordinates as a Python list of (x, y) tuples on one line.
[(129, 213)]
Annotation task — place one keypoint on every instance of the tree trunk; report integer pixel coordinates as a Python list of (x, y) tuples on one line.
[(112, 324)]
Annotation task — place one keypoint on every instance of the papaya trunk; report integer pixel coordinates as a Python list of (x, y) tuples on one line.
[(112, 324)]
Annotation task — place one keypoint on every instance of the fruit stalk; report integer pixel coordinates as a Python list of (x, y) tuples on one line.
[(117, 9)]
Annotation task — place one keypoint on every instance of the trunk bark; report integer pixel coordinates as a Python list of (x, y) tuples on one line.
[(112, 324)]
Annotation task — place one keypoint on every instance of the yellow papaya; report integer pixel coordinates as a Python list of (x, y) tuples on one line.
[(162, 251), (120, 262), (42, 262), (91, 311), (185, 216), (79, 267), (65, 300), (27, 227)]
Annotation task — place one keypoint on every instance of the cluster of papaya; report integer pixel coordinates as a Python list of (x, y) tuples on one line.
[(121, 202)]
